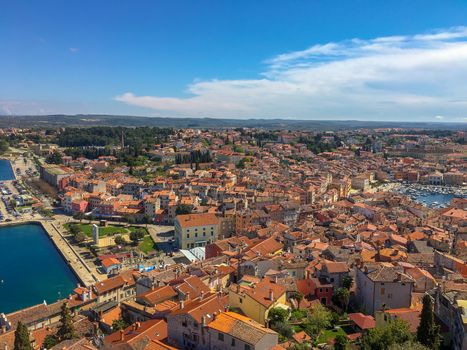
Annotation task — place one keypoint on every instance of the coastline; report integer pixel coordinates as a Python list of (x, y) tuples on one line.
[(74, 261)]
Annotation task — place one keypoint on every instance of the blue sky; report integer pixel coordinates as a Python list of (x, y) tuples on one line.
[(368, 60)]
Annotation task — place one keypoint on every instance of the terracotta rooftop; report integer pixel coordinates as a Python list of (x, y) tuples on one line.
[(240, 327)]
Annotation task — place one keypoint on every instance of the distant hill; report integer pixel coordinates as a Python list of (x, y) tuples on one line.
[(130, 121)]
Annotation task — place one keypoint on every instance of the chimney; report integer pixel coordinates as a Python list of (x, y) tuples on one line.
[(201, 295), (214, 316), (203, 321), (271, 295), (182, 304), (187, 295), (276, 279), (121, 334), (138, 325)]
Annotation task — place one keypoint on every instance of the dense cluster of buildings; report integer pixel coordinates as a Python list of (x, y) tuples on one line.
[(271, 220)]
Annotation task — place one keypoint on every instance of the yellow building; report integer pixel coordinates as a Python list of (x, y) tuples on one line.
[(196, 230), (258, 299)]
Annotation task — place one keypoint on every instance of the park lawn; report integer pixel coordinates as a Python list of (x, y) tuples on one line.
[(147, 244), (330, 334), (103, 231)]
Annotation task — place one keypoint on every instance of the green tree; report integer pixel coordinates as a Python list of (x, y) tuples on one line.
[(80, 237), (119, 240), (428, 331), (66, 329), (298, 297), (136, 236), (147, 219), (4, 146), (278, 314), (74, 229), (318, 320), (54, 158), (119, 324), (183, 209), (347, 282), (381, 338), (341, 342), (342, 295), (50, 341), (46, 212), (334, 318), (22, 341)]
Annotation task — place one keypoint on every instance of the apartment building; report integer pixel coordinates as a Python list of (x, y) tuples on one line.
[(196, 230)]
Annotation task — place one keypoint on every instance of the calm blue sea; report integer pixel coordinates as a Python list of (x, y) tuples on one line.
[(31, 269), (6, 172)]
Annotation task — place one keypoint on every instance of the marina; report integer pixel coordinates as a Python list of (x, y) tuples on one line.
[(430, 196)]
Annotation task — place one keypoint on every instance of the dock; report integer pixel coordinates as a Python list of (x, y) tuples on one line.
[(71, 256)]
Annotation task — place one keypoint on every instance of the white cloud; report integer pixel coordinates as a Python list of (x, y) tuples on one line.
[(439, 117), (74, 49), (392, 78)]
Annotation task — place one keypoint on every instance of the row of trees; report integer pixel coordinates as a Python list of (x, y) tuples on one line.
[(194, 157), (4, 145), (105, 135)]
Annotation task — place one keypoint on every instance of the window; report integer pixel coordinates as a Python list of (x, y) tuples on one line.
[(233, 342), (204, 234), (187, 235), (383, 291), (196, 234), (220, 336), (247, 347), (332, 280), (321, 290), (241, 300)]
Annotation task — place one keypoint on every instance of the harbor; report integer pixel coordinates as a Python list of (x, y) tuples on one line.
[(436, 197)]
